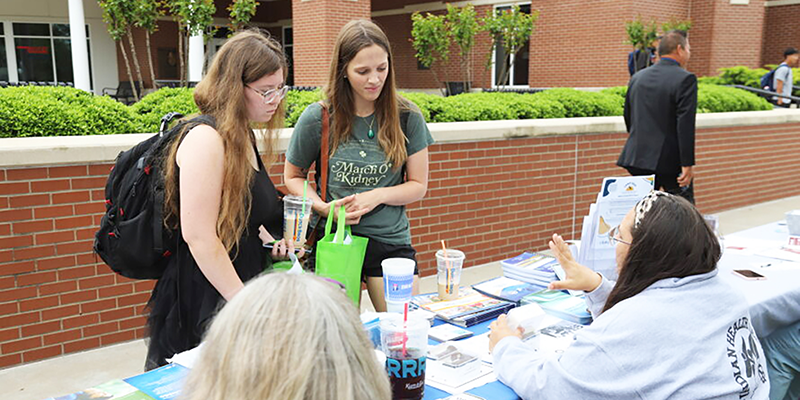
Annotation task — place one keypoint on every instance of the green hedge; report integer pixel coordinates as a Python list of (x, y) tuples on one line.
[(61, 111), (55, 111), (153, 106), (715, 98), (741, 75)]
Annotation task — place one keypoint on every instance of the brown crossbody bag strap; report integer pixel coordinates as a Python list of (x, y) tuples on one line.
[(324, 149)]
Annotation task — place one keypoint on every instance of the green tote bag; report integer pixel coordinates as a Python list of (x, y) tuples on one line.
[(341, 261)]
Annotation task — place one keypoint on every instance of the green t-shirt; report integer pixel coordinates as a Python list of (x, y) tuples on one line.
[(360, 165)]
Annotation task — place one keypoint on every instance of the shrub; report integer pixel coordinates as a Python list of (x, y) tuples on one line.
[(297, 101), (715, 98), (584, 104), (152, 107), (741, 75), (54, 111), (61, 111)]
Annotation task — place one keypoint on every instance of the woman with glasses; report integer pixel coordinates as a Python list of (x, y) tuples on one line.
[(218, 196), (669, 328), (378, 157)]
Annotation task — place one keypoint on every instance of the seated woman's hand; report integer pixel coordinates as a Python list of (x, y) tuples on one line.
[(280, 248), (500, 330), (578, 276)]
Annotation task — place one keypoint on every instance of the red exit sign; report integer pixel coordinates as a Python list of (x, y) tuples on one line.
[(35, 49)]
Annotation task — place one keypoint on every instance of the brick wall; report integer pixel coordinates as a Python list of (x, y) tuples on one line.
[(489, 198), (779, 32), (316, 23), (579, 43), (398, 29)]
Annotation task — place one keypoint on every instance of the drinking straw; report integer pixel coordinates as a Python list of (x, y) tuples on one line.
[(448, 273), (305, 192), (299, 223), (405, 328)]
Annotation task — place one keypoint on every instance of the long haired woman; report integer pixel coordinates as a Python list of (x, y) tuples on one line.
[(378, 157), (218, 196)]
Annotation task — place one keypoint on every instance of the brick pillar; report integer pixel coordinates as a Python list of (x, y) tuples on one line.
[(725, 35), (779, 33), (315, 25)]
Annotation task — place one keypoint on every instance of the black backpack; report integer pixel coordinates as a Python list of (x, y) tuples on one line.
[(132, 238)]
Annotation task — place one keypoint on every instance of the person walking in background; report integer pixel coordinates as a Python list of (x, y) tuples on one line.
[(287, 337), (783, 77), (660, 108), (378, 159), (641, 59), (218, 196)]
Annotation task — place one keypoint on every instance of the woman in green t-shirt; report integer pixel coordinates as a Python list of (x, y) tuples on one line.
[(378, 159)]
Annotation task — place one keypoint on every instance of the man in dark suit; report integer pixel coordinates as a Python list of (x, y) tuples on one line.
[(660, 109)]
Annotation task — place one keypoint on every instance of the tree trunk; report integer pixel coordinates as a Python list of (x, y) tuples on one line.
[(128, 68), (180, 54), (504, 71), (150, 60), (465, 72), (135, 59)]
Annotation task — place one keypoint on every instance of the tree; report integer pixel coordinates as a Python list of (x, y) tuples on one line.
[(146, 14), (641, 34), (674, 23), (116, 22), (511, 29), (462, 23), (431, 40), (241, 12), (193, 17)]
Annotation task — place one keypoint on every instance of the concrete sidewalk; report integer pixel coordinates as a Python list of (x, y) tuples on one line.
[(73, 372)]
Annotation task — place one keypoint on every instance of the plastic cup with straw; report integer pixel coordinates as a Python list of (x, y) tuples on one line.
[(449, 273)]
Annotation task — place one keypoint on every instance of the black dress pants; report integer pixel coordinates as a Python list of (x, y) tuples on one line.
[(667, 183)]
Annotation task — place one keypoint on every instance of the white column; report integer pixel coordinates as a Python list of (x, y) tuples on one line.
[(80, 53), (196, 55)]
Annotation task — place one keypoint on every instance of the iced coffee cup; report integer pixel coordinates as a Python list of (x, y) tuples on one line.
[(296, 214), (406, 347), (448, 273)]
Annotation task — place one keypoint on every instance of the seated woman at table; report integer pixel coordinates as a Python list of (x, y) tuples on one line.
[(287, 337), (669, 327)]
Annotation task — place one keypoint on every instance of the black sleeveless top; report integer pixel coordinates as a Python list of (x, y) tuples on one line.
[(184, 301)]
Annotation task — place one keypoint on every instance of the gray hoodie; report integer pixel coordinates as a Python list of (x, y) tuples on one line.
[(681, 338)]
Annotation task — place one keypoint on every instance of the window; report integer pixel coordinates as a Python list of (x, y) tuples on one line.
[(288, 48), (43, 52), (3, 58), (515, 64)]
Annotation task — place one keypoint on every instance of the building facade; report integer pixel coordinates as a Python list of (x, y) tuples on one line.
[(576, 43)]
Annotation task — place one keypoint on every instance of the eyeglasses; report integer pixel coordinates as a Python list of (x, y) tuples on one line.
[(613, 237), (272, 95)]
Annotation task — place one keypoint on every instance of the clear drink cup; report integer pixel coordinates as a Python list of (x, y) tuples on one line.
[(406, 347), (296, 214), (448, 273)]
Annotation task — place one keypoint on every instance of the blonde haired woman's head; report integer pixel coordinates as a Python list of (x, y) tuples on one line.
[(287, 337)]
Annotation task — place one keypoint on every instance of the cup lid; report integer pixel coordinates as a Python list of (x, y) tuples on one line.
[(452, 254)]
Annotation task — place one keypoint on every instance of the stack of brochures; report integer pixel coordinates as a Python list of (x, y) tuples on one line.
[(507, 289), (561, 305), (533, 268), (469, 309), (617, 196)]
